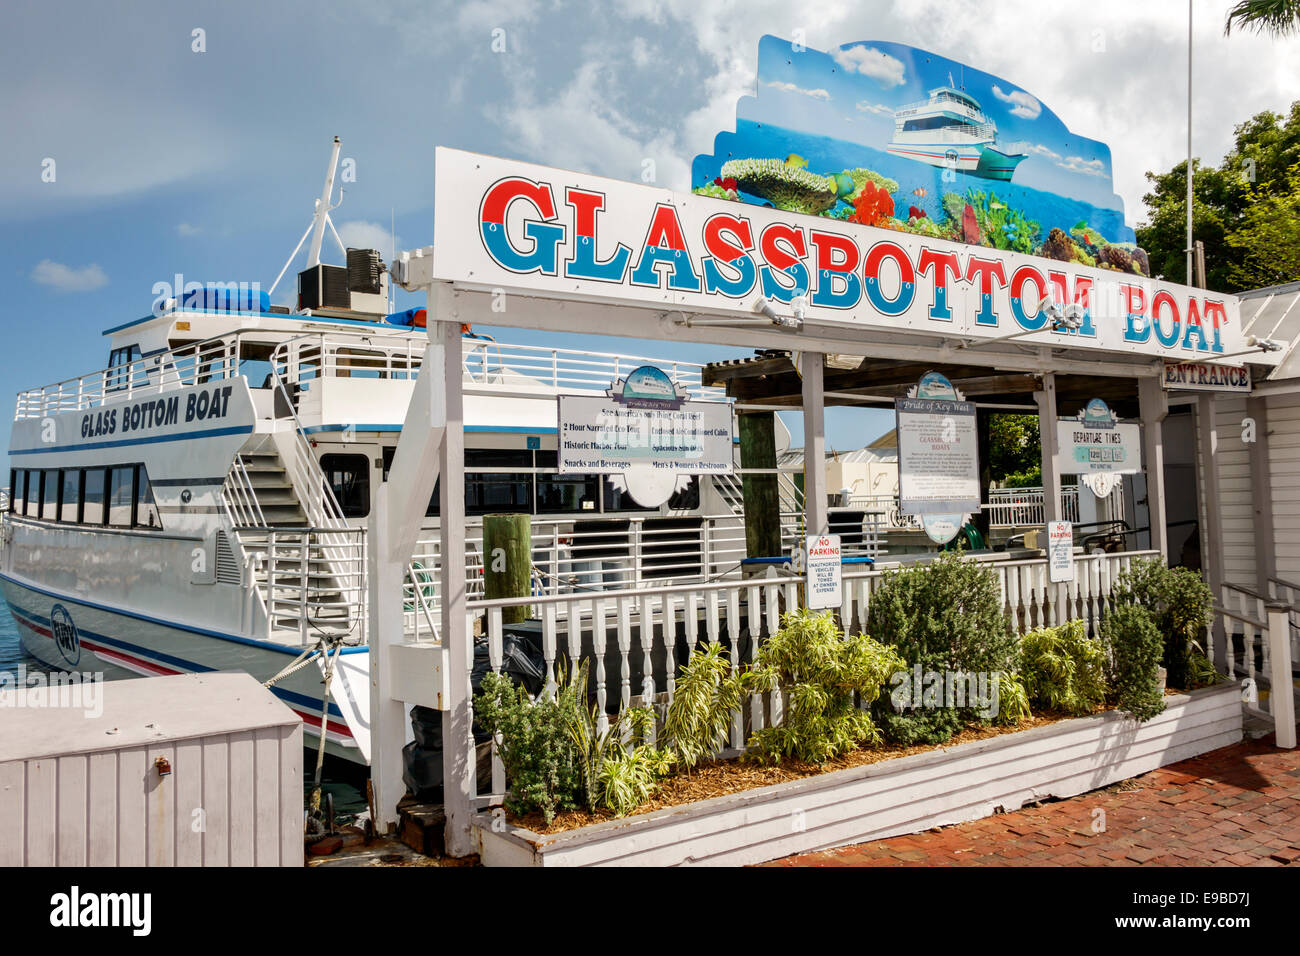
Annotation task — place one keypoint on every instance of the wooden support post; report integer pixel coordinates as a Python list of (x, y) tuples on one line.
[(1047, 416), (762, 493), (457, 739), (983, 422), (508, 561), (1261, 491), (816, 520), (1154, 405), (1207, 443), (1281, 697)]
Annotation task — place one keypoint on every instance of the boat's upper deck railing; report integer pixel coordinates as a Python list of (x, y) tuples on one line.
[(207, 361), (486, 363), (381, 354)]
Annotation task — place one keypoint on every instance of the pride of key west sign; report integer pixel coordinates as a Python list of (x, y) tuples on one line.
[(505, 225)]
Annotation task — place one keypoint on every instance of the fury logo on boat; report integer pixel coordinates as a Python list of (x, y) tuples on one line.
[(735, 258)]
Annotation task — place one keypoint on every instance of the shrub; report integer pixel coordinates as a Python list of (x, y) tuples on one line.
[(1135, 648), (535, 747), (818, 670), (1013, 700), (617, 768), (1063, 669), (946, 616), (1180, 604), (707, 694)]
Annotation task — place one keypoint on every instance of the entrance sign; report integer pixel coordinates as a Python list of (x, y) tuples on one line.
[(823, 560), (1060, 551), (533, 230), (938, 457), (1096, 442), (645, 429), (1206, 378)]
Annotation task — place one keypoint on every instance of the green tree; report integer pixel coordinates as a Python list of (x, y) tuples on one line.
[(1231, 206), (1279, 17), (1014, 449)]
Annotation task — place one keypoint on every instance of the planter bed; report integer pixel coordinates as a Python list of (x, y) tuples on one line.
[(947, 785)]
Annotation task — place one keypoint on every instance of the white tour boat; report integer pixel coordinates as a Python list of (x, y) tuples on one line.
[(951, 130)]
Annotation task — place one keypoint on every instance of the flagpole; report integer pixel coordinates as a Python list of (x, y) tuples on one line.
[(1189, 143)]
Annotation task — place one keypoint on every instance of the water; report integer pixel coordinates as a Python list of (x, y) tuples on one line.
[(344, 781)]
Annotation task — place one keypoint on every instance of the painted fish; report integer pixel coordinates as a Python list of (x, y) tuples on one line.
[(919, 191), (997, 205), (794, 159), (844, 185)]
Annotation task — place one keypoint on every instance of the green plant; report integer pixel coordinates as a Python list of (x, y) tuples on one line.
[(1201, 672), (1013, 700), (1180, 604), (629, 778), (534, 745), (1135, 649), (1063, 669), (617, 768), (707, 694), (946, 616), (818, 670)]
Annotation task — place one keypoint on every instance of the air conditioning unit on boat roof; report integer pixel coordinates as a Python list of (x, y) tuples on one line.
[(360, 286)]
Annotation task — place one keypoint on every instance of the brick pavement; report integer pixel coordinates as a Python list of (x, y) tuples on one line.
[(1237, 806)]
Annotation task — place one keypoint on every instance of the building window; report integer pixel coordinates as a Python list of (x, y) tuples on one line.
[(50, 495), (93, 496), (146, 512), (70, 496), (349, 479), (121, 495)]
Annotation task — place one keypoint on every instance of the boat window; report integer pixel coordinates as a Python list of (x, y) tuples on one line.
[(17, 477), (349, 478), (565, 494), (93, 497), (119, 360), (121, 495), (32, 498), (70, 497), (616, 500), (146, 511), (50, 495), (688, 498)]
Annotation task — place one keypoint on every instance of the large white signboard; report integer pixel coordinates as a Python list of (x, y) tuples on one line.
[(938, 457), (644, 420), (823, 560), (1095, 442), (501, 224)]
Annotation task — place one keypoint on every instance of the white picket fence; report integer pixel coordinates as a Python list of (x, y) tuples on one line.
[(637, 637), (1255, 639)]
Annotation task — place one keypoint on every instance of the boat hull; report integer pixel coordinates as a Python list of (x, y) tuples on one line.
[(78, 636), (982, 160)]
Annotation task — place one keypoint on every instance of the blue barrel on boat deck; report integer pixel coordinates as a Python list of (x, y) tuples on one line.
[(216, 299)]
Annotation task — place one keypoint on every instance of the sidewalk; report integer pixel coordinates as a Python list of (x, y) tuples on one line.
[(1238, 806)]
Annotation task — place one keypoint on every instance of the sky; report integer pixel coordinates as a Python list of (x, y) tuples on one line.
[(192, 138)]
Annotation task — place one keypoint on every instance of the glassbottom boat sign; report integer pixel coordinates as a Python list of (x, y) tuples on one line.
[(647, 431), (938, 457), (575, 236)]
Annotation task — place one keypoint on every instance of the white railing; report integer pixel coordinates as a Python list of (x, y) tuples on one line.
[(1258, 638), (210, 360), (313, 580), (240, 498), (1024, 507), (637, 638), (313, 489), (4, 501), (398, 355)]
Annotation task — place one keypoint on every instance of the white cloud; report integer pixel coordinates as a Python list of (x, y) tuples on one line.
[(880, 66), (1090, 167), (67, 279), (880, 109), (792, 88), (359, 234), (1023, 105), (187, 230)]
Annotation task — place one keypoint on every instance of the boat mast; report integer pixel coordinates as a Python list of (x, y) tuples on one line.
[(323, 208)]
